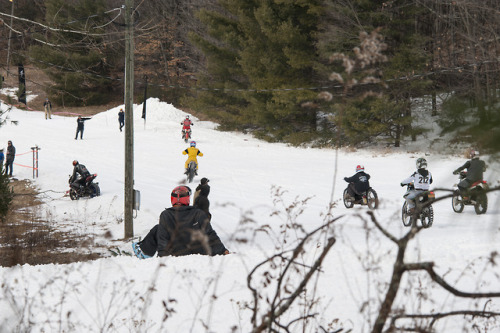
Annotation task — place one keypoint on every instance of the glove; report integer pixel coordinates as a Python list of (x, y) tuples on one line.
[(455, 172), (345, 178), (402, 184)]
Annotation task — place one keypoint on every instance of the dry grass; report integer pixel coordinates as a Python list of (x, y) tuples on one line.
[(26, 239)]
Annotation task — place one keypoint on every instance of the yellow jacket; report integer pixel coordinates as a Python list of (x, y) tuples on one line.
[(192, 153)]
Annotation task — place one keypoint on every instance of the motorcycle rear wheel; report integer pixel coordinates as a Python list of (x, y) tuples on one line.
[(191, 171), (94, 189), (456, 203), (348, 201), (481, 203), (427, 216)]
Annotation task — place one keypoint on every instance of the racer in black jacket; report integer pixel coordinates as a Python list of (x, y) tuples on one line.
[(79, 176), (359, 183), (182, 230), (475, 168)]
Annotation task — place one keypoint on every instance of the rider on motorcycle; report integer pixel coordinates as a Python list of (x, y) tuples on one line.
[(358, 184), (192, 153), (421, 180), (79, 176), (475, 168), (186, 125)]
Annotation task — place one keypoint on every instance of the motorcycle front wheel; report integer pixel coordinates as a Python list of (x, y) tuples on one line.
[(372, 199), (73, 194), (481, 203), (405, 217), (456, 203)]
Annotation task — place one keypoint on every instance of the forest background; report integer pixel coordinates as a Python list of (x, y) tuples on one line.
[(262, 66)]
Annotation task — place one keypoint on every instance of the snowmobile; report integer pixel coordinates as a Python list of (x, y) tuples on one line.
[(423, 208), (90, 189), (476, 196)]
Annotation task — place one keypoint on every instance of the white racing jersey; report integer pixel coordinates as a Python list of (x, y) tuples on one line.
[(420, 181)]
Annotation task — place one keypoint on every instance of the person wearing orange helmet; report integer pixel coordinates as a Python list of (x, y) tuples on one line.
[(79, 176), (358, 183), (182, 230)]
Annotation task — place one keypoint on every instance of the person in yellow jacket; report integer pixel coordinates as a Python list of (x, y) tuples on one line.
[(192, 152)]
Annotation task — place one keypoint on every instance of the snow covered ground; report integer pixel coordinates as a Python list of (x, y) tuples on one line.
[(210, 294)]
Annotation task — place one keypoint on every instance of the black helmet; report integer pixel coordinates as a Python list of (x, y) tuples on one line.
[(421, 163)]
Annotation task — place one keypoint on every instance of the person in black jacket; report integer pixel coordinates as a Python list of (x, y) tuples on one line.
[(358, 183), (9, 158), (475, 168), (121, 119), (79, 176), (182, 230), (80, 126), (201, 200)]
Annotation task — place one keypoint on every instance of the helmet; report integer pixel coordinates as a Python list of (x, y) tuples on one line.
[(187, 117), (473, 153), (421, 163), (180, 194), (193, 144), (360, 168), (75, 162)]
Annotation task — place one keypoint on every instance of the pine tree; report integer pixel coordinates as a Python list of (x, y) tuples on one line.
[(262, 47)]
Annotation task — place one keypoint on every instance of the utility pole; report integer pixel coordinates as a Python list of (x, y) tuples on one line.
[(129, 121)]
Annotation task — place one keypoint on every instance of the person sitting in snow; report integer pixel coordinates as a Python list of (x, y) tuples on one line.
[(358, 183), (201, 197), (182, 230), (192, 152), (421, 179)]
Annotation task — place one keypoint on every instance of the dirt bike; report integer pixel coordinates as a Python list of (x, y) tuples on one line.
[(368, 198), (476, 196), (186, 135), (191, 171), (90, 189), (423, 208)]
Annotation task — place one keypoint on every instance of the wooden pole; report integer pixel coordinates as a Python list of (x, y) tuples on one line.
[(129, 121)]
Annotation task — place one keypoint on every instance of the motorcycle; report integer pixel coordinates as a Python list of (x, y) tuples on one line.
[(423, 208), (186, 135), (368, 198), (476, 196), (191, 171), (90, 189)]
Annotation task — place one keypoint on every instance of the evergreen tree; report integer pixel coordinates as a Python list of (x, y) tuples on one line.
[(262, 47), (75, 62)]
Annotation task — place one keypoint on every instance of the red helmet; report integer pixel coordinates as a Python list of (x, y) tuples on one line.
[(360, 168), (180, 194), (75, 162)]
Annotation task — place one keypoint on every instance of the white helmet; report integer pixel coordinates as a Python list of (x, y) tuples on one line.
[(421, 163), (473, 153)]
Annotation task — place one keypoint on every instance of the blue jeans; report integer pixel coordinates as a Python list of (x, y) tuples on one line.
[(8, 165)]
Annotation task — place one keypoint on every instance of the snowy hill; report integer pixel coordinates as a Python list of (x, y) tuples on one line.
[(210, 294)]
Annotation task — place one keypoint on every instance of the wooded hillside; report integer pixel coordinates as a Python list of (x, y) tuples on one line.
[(263, 66)]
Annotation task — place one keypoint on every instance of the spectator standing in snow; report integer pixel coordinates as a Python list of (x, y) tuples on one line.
[(80, 126), (48, 108), (201, 197), (121, 119), (11, 155), (182, 230)]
